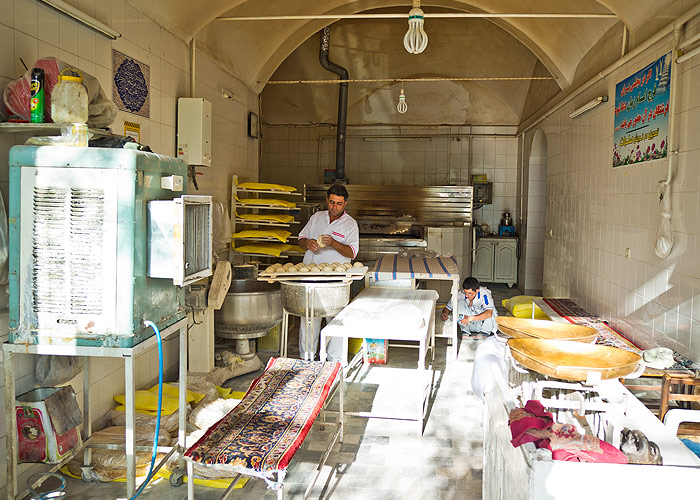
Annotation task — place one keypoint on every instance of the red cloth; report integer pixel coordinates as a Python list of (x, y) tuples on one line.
[(532, 424)]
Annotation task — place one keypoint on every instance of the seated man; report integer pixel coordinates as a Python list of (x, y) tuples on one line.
[(476, 311)]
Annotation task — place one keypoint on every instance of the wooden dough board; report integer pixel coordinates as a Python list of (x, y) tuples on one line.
[(354, 273)]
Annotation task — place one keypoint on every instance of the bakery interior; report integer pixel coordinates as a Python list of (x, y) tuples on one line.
[(162, 163)]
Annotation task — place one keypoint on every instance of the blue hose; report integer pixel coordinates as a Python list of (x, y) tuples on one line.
[(160, 401)]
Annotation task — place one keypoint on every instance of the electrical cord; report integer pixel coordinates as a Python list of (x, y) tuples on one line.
[(153, 326)]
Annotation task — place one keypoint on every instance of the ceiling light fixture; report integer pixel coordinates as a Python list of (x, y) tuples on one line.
[(82, 18), (415, 40), (402, 107), (589, 106)]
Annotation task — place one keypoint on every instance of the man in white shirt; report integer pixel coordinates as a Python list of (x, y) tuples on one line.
[(329, 236), (476, 312)]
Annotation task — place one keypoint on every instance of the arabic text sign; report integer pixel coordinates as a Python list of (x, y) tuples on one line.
[(641, 114)]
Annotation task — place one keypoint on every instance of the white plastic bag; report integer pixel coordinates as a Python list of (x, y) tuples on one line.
[(4, 243), (222, 228)]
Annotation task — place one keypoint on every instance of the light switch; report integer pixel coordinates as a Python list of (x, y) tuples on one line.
[(172, 183)]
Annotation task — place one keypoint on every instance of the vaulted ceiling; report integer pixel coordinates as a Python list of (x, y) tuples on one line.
[(567, 50)]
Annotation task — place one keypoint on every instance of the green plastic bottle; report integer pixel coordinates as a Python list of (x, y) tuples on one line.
[(37, 96)]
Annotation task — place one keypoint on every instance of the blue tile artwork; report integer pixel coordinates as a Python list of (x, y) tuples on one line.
[(131, 82)]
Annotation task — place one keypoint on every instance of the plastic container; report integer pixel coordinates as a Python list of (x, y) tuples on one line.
[(36, 104), (69, 100)]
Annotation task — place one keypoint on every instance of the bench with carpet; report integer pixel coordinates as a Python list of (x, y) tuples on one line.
[(259, 437)]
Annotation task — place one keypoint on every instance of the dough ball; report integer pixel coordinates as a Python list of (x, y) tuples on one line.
[(335, 264), (288, 265), (314, 269), (347, 266), (303, 269), (327, 269), (292, 269), (320, 243), (271, 269), (358, 264)]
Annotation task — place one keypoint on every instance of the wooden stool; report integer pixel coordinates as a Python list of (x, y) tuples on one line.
[(680, 389)]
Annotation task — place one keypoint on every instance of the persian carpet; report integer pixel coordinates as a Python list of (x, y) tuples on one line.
[(261, 434)]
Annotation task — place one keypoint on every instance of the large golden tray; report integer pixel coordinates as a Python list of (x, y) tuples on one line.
[(573, 360), (543, 329)]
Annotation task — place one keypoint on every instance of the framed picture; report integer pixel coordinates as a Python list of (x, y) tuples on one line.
[(253, 125)]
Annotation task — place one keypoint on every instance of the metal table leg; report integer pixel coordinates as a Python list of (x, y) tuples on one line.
[(87, 416), (181, 433), (130, 392), (284, 332), (422, 385), (455, 326), (10, 425)]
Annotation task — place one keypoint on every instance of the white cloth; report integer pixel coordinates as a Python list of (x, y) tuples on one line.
[(482, 302), (490, 359), (344, 229), (334, 348)]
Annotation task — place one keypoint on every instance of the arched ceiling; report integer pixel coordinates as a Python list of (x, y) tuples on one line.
[(568, 49)]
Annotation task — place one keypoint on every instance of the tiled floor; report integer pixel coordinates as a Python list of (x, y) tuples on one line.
[(379, 458)]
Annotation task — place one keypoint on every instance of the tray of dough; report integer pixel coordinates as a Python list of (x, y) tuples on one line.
[(320, 272)]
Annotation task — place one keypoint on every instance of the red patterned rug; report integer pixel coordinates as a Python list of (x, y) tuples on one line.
[(571, 312), (261, 434)]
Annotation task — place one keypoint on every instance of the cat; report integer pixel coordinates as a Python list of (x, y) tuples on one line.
[(638, 449)]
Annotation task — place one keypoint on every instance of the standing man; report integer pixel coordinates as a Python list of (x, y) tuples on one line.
[(476, 312), (329, 236)]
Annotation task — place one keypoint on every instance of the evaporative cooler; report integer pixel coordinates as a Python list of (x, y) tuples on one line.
[(100, 241)]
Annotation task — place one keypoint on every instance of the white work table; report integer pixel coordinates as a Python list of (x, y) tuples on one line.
[(391, 314), (393, 267)]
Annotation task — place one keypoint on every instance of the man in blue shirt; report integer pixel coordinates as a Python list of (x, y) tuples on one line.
[(476, 312)]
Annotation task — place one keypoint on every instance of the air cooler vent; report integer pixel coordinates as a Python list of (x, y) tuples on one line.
[(68, 241), (197, 249)]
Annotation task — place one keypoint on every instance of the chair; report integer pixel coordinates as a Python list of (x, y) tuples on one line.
[(680, 389)]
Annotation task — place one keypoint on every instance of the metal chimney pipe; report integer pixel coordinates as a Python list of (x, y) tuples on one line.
[(342, 103)]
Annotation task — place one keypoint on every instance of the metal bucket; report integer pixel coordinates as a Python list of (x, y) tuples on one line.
[(326, 298), (250, 310)]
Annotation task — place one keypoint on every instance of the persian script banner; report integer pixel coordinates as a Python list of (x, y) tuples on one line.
[(131, 83), (641, 114)]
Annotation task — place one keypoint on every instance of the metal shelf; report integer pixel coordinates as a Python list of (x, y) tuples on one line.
[(33, 128), (283, 255), (265, 207), (263, 223), (267, 240), (268, 191)]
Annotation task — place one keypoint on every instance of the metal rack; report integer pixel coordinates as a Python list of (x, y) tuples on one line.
[(129, 354), (235, 220)]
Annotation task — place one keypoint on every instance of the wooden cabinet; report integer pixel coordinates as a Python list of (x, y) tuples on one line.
[(483, 267), (496, 260)]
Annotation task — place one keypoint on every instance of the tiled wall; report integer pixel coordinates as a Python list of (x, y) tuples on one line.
[(399, 155), (29, 30), (532, 229), (596, 212)]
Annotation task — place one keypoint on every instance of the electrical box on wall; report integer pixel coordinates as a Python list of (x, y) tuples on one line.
[(194, 131)]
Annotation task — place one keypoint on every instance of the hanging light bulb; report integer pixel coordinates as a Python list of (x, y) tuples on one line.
[(415, 40), (402, 107)]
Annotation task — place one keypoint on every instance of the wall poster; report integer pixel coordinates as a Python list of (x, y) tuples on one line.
[(641, 114)]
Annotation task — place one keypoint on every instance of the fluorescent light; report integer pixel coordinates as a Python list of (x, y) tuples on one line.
[(82, 18), (589, 106)]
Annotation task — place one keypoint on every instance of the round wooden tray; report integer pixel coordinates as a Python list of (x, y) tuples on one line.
[(573, 360), (521, 328)]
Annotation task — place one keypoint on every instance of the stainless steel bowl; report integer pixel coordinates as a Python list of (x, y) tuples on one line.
[(250, 310), (328, 297)]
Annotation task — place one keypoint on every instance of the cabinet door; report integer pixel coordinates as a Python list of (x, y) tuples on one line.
[(483, 268), (506, 262)]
